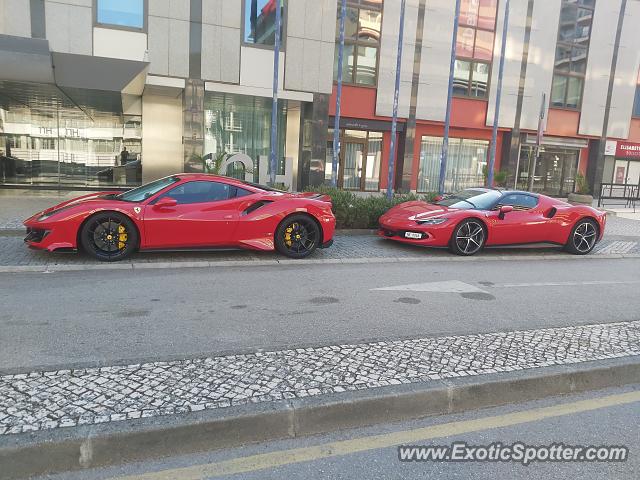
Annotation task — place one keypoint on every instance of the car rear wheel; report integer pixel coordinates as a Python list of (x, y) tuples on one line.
[(109, 236), (583, 237), (468, 238), (297, 236)]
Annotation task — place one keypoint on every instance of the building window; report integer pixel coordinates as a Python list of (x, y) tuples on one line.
[(362, 27), (121, 13), (260, 22), (465, 162), (474, 48), (572, 49), (636, 103)]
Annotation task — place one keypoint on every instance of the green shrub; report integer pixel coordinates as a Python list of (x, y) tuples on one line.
[(353, 211), (582, 186)]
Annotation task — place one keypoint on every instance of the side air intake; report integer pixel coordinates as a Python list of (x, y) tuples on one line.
[(254, 206)]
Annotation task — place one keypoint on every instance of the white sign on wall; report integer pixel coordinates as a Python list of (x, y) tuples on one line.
[(610, 148)]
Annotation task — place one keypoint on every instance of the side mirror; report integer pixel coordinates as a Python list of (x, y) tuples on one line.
[(504, 209), (165, 202), (437, 198)]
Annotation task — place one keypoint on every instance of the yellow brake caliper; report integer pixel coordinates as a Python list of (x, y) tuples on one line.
[(122, 237), (287, 235)]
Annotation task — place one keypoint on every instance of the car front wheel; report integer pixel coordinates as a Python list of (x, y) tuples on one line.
[(468, 238), (109, 236)]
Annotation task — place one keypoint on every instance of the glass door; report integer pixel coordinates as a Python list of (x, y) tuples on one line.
[(352, 163)]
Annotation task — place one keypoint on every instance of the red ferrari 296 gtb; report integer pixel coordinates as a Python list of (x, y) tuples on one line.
[(469, 220), (186, 211)]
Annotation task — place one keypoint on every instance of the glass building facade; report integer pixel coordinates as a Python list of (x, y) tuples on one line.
[(241, 124), (64, 146)]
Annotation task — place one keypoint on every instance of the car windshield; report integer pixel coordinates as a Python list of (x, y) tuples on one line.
[(145, 191), (471, 199)]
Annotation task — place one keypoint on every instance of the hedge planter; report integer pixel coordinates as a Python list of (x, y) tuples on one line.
[(580, 199)]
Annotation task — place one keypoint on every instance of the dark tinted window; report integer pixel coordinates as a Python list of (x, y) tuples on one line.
[(237, 192), (519, 201), (199, 192)]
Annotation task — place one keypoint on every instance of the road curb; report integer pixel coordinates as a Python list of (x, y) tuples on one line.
[(53, 268), (67, 449)]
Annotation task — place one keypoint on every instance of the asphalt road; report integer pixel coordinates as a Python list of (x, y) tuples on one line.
[(608, 417), (106, 317)]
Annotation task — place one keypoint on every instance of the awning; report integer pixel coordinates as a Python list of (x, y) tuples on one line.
[(31, 75)]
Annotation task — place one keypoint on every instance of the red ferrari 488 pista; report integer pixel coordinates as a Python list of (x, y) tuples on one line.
[(474, 218), (186, 211)]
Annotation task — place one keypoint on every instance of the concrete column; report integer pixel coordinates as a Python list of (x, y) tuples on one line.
[(162, 152)]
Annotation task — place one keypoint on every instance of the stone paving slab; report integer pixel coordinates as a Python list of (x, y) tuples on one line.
[(66, 398)]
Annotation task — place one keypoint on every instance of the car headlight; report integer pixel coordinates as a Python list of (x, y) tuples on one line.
[(44, 216), (431, 221)]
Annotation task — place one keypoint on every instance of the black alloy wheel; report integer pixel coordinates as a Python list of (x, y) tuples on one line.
[(297, 236), (109, 236), (583, 237), (468, 237)]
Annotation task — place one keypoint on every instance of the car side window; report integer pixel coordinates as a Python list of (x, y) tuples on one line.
[(519, 201), (237, 192), (199, 191)]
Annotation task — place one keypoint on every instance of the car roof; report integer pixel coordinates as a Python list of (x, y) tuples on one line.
[(503, 191)]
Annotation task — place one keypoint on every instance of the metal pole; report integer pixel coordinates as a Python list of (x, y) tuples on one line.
[(496, 114), (532, 167), (394, 119), (336, 126), (447, 119), (273, 157)]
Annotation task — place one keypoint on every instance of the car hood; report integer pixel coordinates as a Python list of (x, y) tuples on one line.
[(84, 199), (416, 210)]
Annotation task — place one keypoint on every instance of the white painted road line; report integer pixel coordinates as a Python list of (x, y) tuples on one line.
[(447, 286), (456, 286), (567, 284)]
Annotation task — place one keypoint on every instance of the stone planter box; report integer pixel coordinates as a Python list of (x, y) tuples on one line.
[(580, 199)]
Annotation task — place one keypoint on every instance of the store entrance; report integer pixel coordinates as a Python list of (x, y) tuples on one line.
[(359, 161), (555, 172)]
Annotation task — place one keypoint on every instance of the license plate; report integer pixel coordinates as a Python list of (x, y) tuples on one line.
[(412, 235)]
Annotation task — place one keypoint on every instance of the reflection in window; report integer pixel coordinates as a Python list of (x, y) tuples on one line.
[(571, 52), (474, 47), (64, 146), (260, 22), (240, 124), (464, 164), (362, 27), (121, 13)]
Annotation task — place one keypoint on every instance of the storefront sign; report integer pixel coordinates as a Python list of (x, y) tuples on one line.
[(364, 124), (628, 150)]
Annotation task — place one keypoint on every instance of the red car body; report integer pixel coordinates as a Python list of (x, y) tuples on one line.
[(550, 221), (248, 221)]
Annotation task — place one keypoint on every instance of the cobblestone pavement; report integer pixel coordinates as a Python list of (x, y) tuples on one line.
[(66, 398), (13, 252)]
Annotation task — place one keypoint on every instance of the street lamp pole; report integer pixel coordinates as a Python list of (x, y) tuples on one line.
[(447, 118), (496, 114), (396, 92), (273, 155), (336, 126)]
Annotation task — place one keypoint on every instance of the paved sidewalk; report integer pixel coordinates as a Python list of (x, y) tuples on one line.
[(66, 398)]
